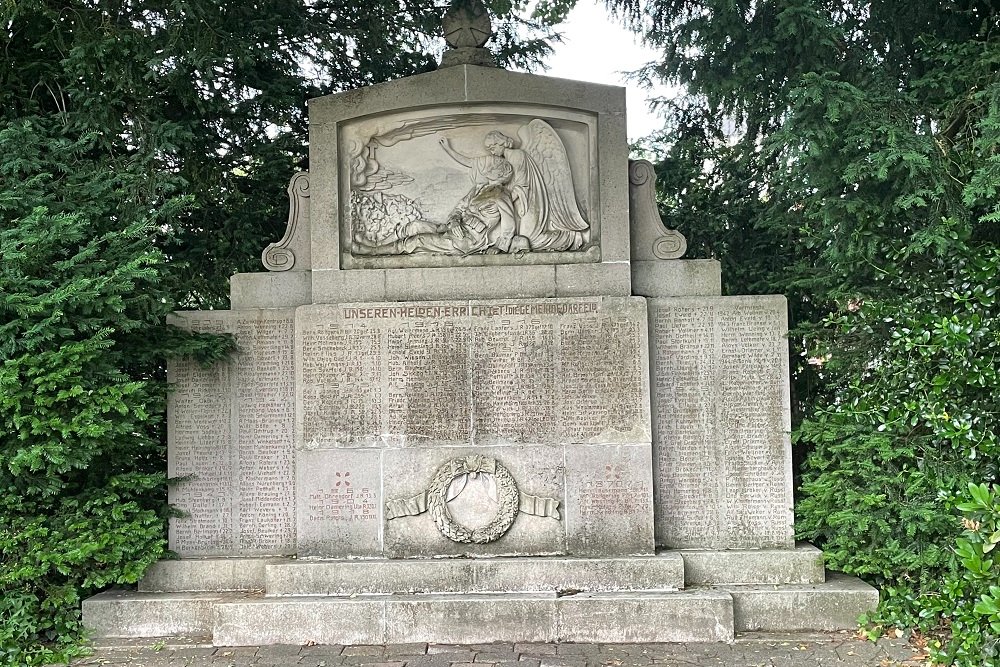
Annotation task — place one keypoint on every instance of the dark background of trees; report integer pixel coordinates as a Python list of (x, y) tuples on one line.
[(845, 155)]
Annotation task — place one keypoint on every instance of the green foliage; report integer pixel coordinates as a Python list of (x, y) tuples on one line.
[(846, 155), (214, 93), (912, 422), (970, 599), (145, 148), (81, 316)]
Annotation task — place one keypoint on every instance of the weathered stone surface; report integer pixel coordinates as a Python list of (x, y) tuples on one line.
[(458, 282), (609, 574), (472, 619), (651, 240), (331, 286), (339, 503), (300, 621), (292, 252), (129, 614), (607, 279), (368, 374), (833, 605), (538, 471), (802, 565), (206, 574), (436, 106), (489, 575), (439, 186), (476, 618), (417, 381), (451, 373), (287, 289), (685, 616), (609, 499), (674, 278), (361, 577), (722, 457), (471, 282), (230, 439)]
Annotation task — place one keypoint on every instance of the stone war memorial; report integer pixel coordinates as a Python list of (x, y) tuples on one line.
[(479, 396)]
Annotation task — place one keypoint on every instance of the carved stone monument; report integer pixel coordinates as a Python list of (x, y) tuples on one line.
[(476, 339)]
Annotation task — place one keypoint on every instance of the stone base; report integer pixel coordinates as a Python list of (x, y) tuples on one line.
[(288, 289), (664, 572), (684, 616), (119, 613), (832, 605), (802, 565), (207, 574), (613, 599)]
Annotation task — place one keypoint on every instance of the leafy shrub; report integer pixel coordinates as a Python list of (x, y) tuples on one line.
[(911, 418), (82, 341), (971, 596)]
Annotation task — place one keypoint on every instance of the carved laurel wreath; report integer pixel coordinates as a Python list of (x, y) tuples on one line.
[(508, 498)]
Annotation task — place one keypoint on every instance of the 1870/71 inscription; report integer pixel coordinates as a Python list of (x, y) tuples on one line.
[(559, 370)]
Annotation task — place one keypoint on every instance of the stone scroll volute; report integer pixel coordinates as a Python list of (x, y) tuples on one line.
[(292, 252), (651, 240)]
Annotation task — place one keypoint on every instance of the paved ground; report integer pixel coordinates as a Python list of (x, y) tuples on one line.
[(814, 650)]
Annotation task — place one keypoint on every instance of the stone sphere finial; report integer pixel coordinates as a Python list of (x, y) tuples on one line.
[(467, 25), (467, 28)]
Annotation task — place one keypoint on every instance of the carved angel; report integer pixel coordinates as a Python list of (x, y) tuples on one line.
[(543, 192), (526, 193), (521, 199)]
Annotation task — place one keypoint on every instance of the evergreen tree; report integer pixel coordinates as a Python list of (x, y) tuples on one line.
[(846, 154), (145, 148)]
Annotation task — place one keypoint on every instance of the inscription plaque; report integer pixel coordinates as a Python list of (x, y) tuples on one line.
[(339, 500), (722, 469), (609, 499), (230, 439), (455, 373)]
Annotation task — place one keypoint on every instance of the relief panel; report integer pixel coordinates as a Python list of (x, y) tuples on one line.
[(460, 186)]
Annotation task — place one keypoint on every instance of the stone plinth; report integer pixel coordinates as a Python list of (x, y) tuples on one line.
[(722, 456), (607, 599), (682, 277), (662, 572), (469, 619)]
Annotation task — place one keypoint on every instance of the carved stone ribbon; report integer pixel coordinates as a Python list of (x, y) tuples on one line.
[(510, 501), (533, 505), (540, 506), (406, 506)]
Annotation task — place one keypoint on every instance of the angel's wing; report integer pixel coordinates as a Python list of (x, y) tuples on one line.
[(546, 150)]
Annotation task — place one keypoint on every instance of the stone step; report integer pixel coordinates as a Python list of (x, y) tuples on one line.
[(118, 613), (834, 604), (802, 565), (681, 616), (663, 572), (206, 574)]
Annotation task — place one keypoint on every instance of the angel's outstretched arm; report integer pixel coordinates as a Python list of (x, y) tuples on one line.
[(463, 160)]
